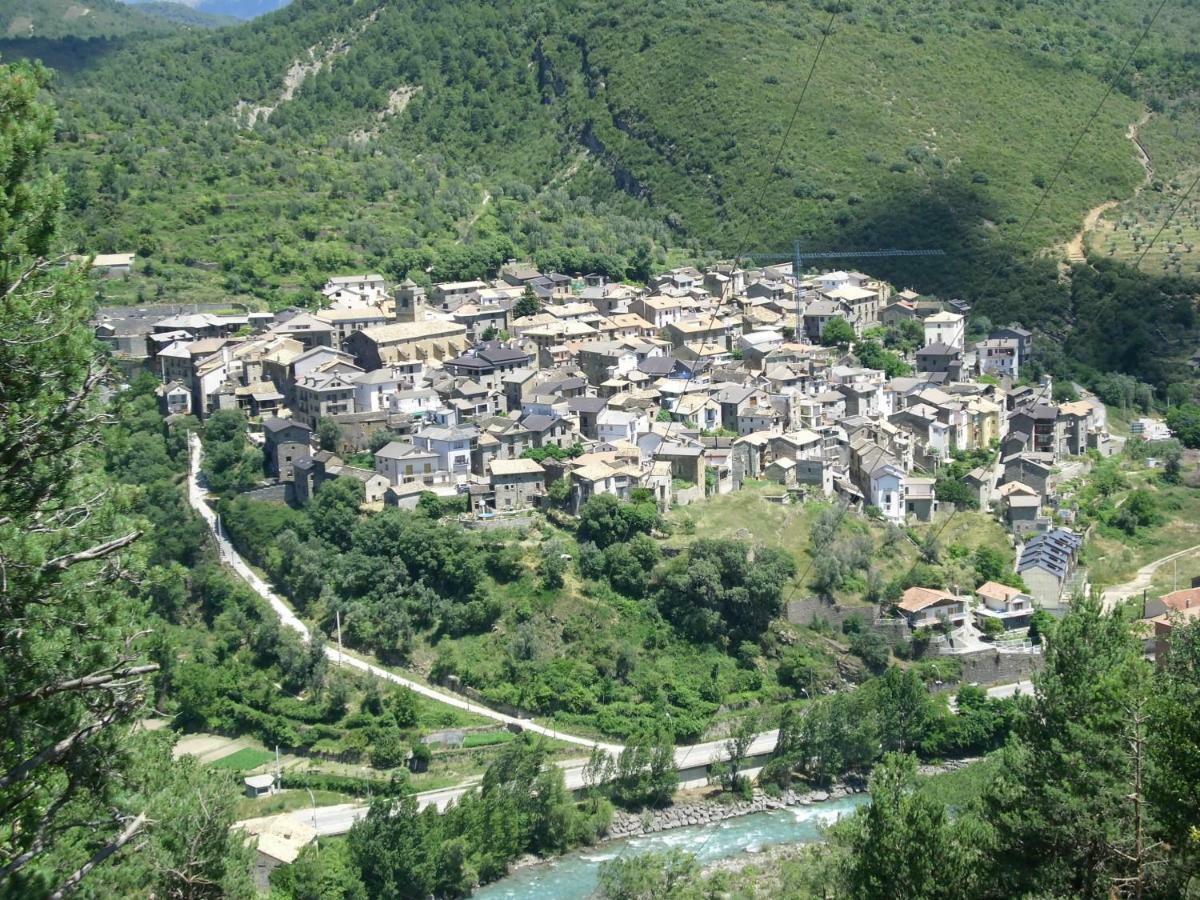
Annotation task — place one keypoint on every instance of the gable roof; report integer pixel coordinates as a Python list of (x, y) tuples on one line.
[(274, 424), (916, 599), (515, 467), (994, 590), (937, 348)]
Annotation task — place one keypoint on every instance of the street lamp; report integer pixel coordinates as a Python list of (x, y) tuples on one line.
[(316, 836)]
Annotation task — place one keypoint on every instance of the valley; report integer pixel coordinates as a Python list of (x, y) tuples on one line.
[(426, 471)]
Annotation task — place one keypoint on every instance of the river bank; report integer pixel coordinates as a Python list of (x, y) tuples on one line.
[(696, 810), (699, 811), (575, 875), (692, 810)]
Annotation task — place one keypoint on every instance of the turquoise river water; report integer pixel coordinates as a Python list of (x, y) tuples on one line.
[(574, 876)]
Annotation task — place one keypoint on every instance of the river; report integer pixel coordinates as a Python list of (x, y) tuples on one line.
[(574, 876)]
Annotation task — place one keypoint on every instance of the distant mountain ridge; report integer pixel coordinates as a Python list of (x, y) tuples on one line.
[(441, 136), (234, 9), (55, 20)]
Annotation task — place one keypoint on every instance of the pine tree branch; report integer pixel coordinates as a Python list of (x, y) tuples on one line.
[(55, 751), (99, 551), (130, 832), (84, 683)]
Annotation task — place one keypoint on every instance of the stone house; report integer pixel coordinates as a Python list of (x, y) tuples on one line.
[(285, 442), (516, 483)]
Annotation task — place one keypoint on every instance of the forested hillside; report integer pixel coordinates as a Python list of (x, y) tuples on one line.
[(445, 137), (55, 19), (238, 9)]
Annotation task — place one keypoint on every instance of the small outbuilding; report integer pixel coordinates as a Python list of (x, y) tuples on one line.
[(259, 785)]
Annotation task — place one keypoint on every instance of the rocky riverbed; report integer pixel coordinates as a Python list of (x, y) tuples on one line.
[(706, 810)]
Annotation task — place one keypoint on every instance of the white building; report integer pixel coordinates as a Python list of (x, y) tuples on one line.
[(946, 328), (452, 444), (999, 357)]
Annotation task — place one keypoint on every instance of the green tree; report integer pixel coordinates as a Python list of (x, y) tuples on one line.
[(231, 463), (67, 610), (1173, 465), (992, 565), (334, 510), (327, 873), (192, 852), (388, 749), (1173, 754), (906, 337), (647, 876), (528, 305), (904, 708), (717, 592), (1140, 510), (1184, 422), (829, 737), (645, 772), (329, 435), (1059, 805), (873, 356), (729, 772), (553, 567), (605, 520), (837, 333), (904, 846)]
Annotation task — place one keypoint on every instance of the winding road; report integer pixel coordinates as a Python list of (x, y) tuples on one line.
[(690, 761), (197, 500)]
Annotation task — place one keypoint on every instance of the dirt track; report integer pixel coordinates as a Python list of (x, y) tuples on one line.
[(1075, 247)]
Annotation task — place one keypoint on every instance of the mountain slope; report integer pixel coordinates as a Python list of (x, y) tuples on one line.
[(231, 9), (53, 19), (186, 15), (616, 136)]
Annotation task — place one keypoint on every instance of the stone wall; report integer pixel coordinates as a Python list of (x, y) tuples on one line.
[(280, 493), (688, 496), (454, 683), (805, 612), (518, 521), (992, 667)]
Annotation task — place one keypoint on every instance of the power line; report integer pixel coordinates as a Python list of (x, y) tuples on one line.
[(766, 184), (1167, 221), (1078, 140)]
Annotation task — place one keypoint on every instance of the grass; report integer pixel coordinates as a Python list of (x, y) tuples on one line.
[(244, 760), (1124, 232), (959, 787), (750, 515), (287, 801), (968, 528), (1176, 575), (487, 739), (1114, 557)]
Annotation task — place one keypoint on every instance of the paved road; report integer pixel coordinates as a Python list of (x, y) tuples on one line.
[(331, 820), (1011, 690), (196, 497), (338, 819)]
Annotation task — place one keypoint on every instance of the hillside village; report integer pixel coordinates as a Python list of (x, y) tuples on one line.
[(540, 389)]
